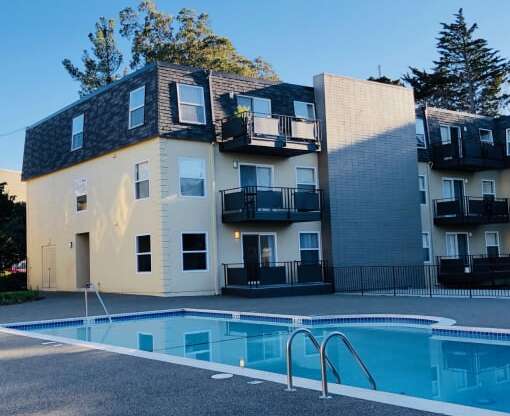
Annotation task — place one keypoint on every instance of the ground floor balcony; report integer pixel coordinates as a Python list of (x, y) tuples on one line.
[(271, 204), (471, 210), (475, 271), (277, 279)]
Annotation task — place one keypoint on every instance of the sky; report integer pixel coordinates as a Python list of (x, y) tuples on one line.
[(300, 38)]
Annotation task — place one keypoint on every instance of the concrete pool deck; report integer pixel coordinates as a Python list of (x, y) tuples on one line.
[(70, 380)]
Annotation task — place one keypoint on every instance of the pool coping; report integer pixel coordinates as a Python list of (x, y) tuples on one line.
[(441, 327)]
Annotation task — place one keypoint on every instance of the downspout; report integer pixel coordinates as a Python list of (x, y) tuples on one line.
[(212, 167), (432, 232)]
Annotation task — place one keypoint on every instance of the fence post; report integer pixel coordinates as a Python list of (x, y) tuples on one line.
[(394, 284), (429, 271), (361, 274)]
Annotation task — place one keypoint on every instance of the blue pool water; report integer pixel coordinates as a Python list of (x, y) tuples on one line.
[(402, 360)]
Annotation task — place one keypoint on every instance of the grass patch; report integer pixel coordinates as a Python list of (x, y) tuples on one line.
[(9, 298)]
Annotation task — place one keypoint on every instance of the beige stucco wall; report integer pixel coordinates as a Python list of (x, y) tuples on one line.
[(113, 219), (14, 185)]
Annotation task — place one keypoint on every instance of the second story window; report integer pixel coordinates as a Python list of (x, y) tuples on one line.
[(142, 186), (80, 191), (259, 106), (191, 104), (304, 110), (137, 107), (422, 182), (486, 136), (192, 177), (488, 188), (305, 179), (77, 134), (420, 133)]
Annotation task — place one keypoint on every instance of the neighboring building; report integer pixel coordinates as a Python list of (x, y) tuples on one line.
[(180, 181), (464, 182), (15, 187)]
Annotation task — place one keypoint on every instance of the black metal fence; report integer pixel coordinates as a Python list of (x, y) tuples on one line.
[(419, 280)]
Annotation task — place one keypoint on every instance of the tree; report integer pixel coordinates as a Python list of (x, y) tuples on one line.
[(101, 67), (468, 76), (186, 39), (12, 230), (385, 80)]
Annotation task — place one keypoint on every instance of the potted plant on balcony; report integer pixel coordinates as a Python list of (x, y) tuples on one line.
[(235, 126)]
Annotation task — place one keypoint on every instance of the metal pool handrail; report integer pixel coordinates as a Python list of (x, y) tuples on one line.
[(309, 334), (86, 289), (353, 352)]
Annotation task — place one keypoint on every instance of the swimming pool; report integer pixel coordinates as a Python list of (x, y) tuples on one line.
[(411, 356)]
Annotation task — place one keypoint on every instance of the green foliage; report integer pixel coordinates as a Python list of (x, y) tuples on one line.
[(385, 80), (12, 230), (240, 110), (9, 298), (101, 66), (468, 76), (185, 39)]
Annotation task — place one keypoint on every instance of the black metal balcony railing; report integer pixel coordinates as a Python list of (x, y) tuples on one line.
[(275, 273), (471, 210), (269, 134), (469, 154), (253, 203)]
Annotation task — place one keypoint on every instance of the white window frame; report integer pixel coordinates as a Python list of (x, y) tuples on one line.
[(423, 190), (452, 179), (179, 102), (252, 97), (142, 253), (273, 233), (508, 142), (493, 187), (424, 134), (135, 181), (311, 249), (497, 239), (427, 233), (486, 141), (204, 166), (78, 194), (450, 126), (314, 175), (74, 133), (456, 233), (256, 165), (306, 103), (206, 251), (131, 109)]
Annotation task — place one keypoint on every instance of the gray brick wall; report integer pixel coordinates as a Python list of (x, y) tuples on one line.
[(371, 181)]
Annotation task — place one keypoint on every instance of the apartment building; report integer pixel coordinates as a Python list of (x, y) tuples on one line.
[(464, 184), (181, 181)]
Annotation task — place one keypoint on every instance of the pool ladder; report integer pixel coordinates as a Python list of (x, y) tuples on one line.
[(325, 360), (87, 287)]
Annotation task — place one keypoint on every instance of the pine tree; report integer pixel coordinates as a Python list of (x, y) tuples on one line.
[(186, 39), (102, 67), (383, 79), (468, 76)]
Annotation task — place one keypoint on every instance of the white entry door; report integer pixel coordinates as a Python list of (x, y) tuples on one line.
[(49, 267)]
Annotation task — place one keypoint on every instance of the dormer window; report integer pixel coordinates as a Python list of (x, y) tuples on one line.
[(304, 110), (77, 134), (420, 134), (486, 136), (191, 104), (137, 107), (258, 106)]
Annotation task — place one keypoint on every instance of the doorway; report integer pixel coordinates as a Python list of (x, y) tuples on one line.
[(82, 252), (259, 250), (49, 267)]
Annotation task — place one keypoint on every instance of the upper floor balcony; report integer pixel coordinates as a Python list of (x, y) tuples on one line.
[(274, 134), (271, 204), (471, 210), (468, 154)]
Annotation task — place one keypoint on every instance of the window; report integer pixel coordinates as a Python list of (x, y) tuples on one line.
[(194, 251), (258, 106), (142, 180), (425, 238), (252, 175), (445, 135), (488, 188), (143, 254), (422, 183), (80, 191), (492, 243), (136, 107), (486, 136), (309, 247), (305, 178), (304, 110), (191, 104), (192, 177), (508, 142), (77, 134), (420, 133)]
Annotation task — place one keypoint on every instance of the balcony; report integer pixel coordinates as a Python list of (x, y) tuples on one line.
[(471, 210), (474, 271), (276, 279), (271, 204), (468, 155), (269, 135)]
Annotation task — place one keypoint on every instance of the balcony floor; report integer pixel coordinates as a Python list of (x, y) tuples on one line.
[(266, 146), (271, 216)]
